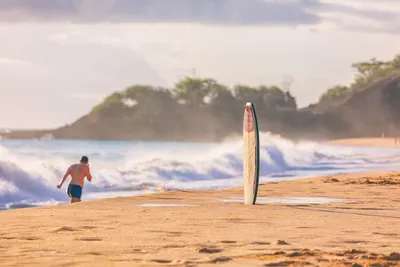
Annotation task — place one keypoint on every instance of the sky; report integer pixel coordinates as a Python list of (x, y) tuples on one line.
[(59, 58)]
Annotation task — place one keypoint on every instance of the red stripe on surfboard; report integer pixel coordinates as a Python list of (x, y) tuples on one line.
[(249, 125)]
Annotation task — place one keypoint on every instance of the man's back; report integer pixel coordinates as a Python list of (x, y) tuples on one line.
[(78, 173)]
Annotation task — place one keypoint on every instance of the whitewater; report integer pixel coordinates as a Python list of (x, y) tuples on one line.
[(31, 169)]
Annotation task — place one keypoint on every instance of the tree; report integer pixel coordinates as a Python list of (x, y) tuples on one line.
[(192, 91), (114, 98), (334, 93), (220, 95), (394, 63), (368, 71), (264, 96), (274, 97), (244, 93), (145, 94)]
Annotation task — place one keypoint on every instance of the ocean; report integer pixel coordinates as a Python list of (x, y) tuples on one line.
[(31, 169)]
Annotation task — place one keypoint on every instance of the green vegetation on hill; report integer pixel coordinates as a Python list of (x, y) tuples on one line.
[(198, 92), (194, 109), (202, 109), (367, 72)]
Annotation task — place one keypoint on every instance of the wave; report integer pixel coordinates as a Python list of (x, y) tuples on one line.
[(30, 171)]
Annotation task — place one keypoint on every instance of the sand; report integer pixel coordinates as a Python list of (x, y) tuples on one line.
[(117, 232), (362, 229), (377, 142)]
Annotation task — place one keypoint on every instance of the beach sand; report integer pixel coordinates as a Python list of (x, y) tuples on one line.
[(377, 142), (116, 232), (363, 229)]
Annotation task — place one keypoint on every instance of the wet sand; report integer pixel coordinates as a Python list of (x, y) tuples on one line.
[(283, 229)]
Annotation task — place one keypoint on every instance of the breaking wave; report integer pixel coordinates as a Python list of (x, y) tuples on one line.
[(31, 169)]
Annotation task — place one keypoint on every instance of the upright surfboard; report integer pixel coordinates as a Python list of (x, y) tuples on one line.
[(251, 154)]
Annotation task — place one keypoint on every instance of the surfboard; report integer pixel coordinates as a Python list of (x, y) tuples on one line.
[(251, 154)]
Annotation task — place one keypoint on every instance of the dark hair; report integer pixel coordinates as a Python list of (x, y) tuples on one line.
[(84, 159)]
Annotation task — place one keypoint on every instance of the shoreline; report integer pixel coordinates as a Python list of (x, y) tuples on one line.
[(22, 205), (124, 231)]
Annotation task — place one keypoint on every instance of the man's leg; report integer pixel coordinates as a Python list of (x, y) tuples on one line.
[(75, 193), (74, 199)]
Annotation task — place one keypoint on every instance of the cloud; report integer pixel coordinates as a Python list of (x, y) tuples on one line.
[(359, 15), (90, 96), (198, 11), (46, 83), (362, 15), (12, 62)]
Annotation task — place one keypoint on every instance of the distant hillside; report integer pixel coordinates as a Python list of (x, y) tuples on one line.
[(367, 112), (197, 109)]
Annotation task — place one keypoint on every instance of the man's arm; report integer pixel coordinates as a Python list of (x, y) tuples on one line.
[(68, 172), (88, 174)]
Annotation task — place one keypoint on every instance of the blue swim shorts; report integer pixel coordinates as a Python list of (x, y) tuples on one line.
[(74, 191)]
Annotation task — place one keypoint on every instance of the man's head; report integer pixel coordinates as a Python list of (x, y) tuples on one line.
[(84, 159)]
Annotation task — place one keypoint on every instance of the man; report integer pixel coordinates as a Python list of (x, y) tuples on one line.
[(78, 173)]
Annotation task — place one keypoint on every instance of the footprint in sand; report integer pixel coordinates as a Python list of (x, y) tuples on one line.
[(174, 246), (302, 253), (30, 238), (43, 251), (282, 242), (283, 263), (261, 243), (64, 229), (394, 256), (228, 241), (385, 234), (354, 241), (94, 253), (220, 259), (8, 237), (89, 227), (89, 239), (349, 252), (209, 250), (170, 233), (162, 261), (139, 251)]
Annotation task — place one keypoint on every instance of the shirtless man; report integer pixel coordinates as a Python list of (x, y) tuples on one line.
[(78, 173)]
